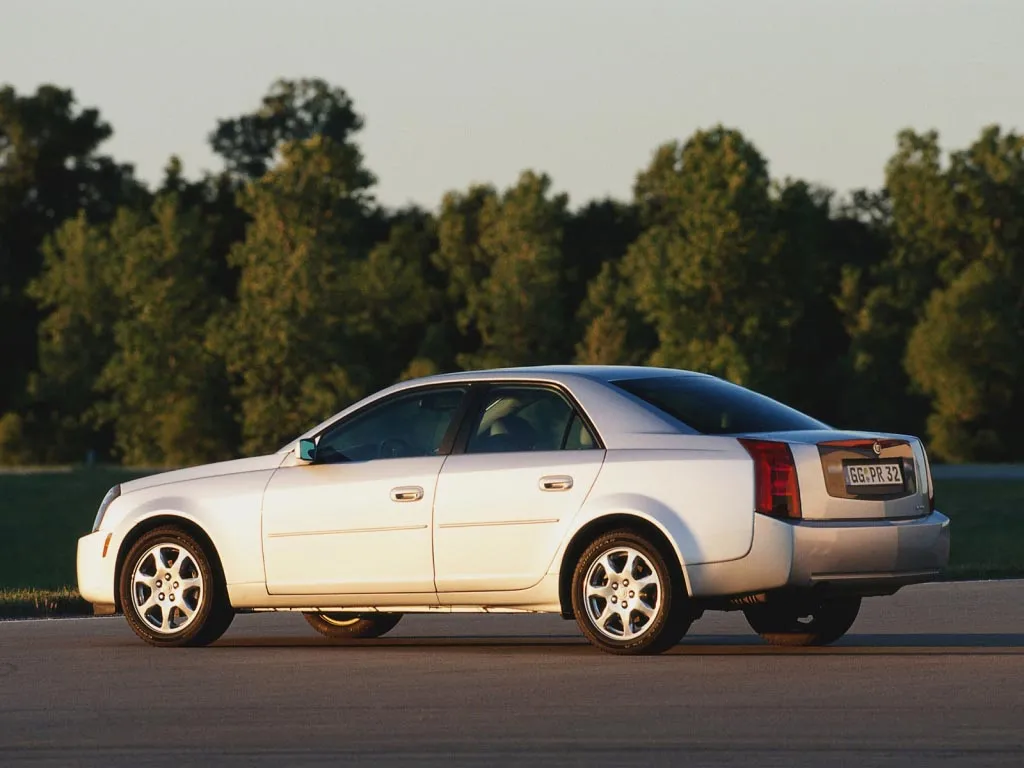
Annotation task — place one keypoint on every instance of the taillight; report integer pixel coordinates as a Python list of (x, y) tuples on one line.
[(931, 484), (776, 491)]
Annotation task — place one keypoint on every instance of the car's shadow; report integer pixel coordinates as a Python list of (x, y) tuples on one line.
[(693, 645)]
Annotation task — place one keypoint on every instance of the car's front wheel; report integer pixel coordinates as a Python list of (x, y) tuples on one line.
[(803, 622), (352, 626), (626, 597), (170, 591)]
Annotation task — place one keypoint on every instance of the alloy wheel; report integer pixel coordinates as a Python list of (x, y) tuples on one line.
[(167, 588), (623, 594)]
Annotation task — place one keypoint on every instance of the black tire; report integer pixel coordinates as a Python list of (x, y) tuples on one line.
[(352, 626), (818, 622), (674, 612), (212, 611)]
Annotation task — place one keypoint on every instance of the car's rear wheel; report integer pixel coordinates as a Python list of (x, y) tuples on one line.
[(626, 597), (803, 622), (352, 626), (171, 592)]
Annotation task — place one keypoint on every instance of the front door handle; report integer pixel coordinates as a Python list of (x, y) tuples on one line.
[(407, 493), (555, 483)]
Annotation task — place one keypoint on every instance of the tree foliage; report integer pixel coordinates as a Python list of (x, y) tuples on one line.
[(967, 352), (503, 259), (230, 312), (293, 110), (706, 271), (286, 341), (164, 389), (75, 336), (50, 171)]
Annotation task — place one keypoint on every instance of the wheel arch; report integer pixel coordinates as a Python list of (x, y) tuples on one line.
[(144, 526), (599, 526)]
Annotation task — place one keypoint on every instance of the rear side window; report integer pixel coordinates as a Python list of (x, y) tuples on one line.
[(715, 407), (527, 418)]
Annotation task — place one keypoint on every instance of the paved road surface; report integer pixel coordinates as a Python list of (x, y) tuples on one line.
[(932, 677)]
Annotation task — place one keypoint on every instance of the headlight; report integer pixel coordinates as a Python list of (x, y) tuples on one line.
[(112, 494)]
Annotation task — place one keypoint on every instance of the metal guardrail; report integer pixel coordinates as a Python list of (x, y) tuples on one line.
[(978, 471)]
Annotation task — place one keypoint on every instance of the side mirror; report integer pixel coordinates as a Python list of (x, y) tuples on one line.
[(307, 450)]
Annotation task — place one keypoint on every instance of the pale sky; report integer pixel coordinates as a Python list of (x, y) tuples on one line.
[(455, 92)]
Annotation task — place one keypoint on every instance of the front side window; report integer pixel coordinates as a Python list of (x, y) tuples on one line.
[(527, 419), (405, 426), (712, 406)]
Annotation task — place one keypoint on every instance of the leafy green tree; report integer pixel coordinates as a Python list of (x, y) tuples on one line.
[(214, 198), (49, 171), (292, 110), (966, 354), (390, 316), (706, 270), (75, 336), (599, 232), (614, 331), (16, 448), (967, 351), (814, 249), (504, 262), (882, 302), (166, 393), (286, 342), (463, 265)]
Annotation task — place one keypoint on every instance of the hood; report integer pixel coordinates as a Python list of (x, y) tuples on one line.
[(234, 467)]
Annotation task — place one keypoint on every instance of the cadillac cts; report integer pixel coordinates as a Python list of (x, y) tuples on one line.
[(631, 499)]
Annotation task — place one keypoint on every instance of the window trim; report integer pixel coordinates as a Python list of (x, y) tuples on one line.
[(475, 400), (445, 449)]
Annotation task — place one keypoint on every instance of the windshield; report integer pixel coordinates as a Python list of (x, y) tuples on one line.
[(715, 407)]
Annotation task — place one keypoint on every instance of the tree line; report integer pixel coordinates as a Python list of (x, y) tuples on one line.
[(204, 318)]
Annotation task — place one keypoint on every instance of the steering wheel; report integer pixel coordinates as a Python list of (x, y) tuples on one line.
[(395, 448)]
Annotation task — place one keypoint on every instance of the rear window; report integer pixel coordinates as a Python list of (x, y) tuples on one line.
[(715, 407)]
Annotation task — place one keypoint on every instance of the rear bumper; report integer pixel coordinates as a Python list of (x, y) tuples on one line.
[(96, 569), (865, 557)]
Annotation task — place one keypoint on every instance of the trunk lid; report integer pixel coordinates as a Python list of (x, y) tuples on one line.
[(858, 475)]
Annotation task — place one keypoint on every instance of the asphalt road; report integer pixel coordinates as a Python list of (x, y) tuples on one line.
[(932, 676)]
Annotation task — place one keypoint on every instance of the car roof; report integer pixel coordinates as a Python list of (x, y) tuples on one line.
[(604, 373), (571, 376)]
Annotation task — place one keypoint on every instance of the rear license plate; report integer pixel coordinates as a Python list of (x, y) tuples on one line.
[(873, 474)]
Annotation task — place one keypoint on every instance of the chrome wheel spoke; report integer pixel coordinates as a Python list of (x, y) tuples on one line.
[(606, 613), (184, 564), (627, 631), (159, 562), (604, 590), (645, 581), (622, 593), (146, 581), (647, 610), (631, 560), (170, 574), (609, 568)]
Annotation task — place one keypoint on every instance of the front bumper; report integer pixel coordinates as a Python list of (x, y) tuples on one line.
[(866, 557), (96, 568)]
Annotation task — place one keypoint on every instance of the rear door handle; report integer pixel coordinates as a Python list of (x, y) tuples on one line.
[(555, 483), (407, 493)]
